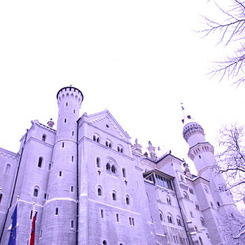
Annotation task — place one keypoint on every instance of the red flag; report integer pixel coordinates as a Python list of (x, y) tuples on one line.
[(32, 241)]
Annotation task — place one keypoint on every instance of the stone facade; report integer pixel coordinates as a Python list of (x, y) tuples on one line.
[(89, 185)]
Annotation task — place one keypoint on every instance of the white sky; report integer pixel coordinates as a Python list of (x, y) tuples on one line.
[(138, 59)]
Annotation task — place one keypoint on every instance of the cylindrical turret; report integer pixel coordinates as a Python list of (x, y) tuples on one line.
[(60, 208)]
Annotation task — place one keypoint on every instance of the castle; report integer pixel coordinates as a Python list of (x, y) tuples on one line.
[(89, 185)]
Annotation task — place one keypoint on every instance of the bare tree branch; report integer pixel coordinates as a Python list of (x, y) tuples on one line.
[(231, 29)]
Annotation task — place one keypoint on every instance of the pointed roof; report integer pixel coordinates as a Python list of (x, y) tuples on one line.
[(105, 121)]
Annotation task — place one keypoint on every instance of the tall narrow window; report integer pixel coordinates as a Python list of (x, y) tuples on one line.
[(60, 173), (72, 223), (63, 144), (72, 188), (102, 213), (99, 191), (40, 161), (133, 221), (49, 166), (113, 169), (65, 120), (161, 215), (104, 242), (1, 197), (127, 200), (117, 217), (108, 167), (98, 162), (56, 211), (72, 133), (44, 137), (31, 214), (35, 192), (124, 172), (114, 196), (72, 158)]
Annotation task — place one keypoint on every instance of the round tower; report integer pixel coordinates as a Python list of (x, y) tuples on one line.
[(200, 151), (59, 212)]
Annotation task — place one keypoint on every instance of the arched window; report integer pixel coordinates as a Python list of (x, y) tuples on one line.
[(113, 169), (202, 221), (99, 191), (197, 206), (170, 218), (108, 166), (127, 200), (186, 195), (1, 197), (35, 192), (98, 162), (120, 148), (40, 161), (56, 211), (178, 220), (181, 178), (104, 242), (7, 168), (218, 204), (168, 200), (124, 172), (96, 138), (108, 143), (44, 137), (114, 196)]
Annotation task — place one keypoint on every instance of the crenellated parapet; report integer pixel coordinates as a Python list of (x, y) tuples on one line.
[(191, 129), (70, 92)]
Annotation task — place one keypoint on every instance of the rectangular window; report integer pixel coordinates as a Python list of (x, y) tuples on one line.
[(72, 224), (60, 173), (130, 220), (56, 211), (31, 215), (72, 188), (49, 166), (72, 158), (45, 196), (63, 144)]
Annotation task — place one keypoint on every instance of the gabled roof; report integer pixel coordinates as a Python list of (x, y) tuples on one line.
[(105, 121)]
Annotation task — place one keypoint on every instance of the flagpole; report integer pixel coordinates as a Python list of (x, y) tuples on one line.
[(17, 205), (33, 214)]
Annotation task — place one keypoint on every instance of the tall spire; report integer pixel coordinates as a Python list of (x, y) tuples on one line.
[(187, 118)]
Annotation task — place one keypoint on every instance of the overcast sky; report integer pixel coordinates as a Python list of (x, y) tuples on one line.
[(138, 59)]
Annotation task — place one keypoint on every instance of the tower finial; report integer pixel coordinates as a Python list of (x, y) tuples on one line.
[(185, 118)]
